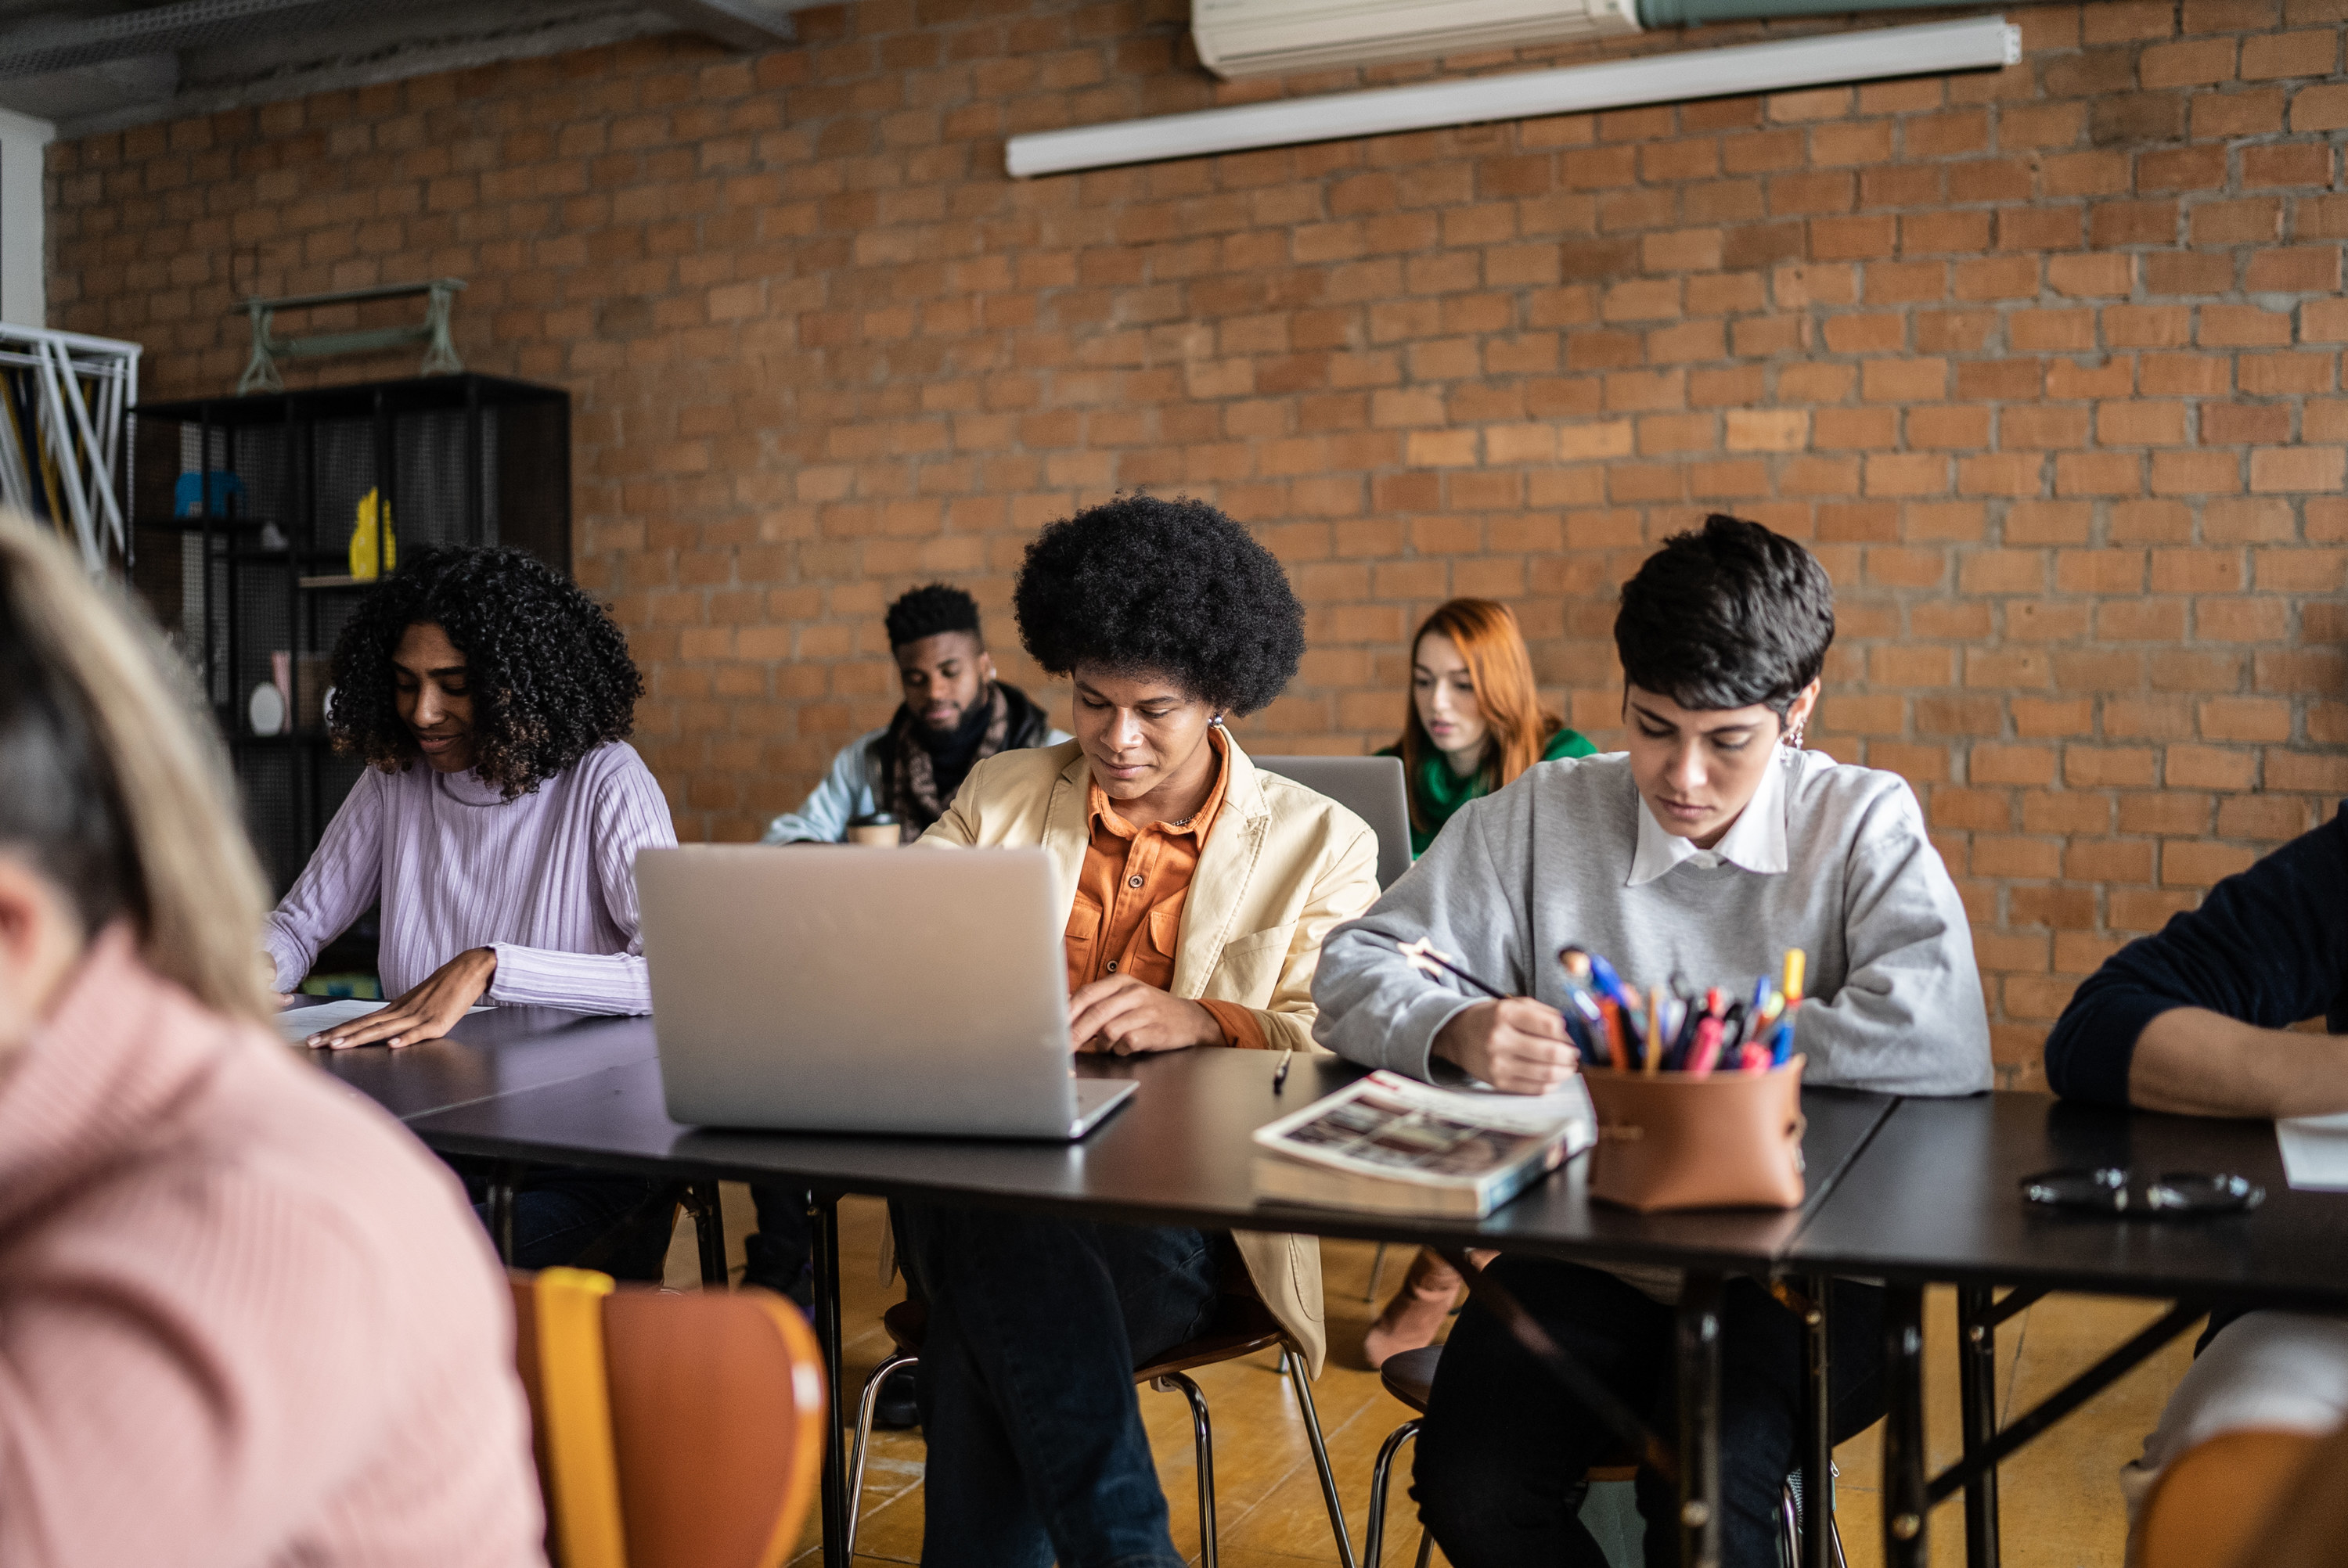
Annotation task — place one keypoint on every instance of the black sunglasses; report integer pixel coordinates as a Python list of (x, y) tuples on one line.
[(2108, 1190)]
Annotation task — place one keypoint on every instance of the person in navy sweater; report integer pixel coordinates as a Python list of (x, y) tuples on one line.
[(2196, 1021)]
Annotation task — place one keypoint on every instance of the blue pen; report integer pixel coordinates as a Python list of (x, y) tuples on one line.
[(1579, 1033), (1781, 1044), (1609, 982)]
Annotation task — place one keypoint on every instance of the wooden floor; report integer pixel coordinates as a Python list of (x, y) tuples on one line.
[(2061, 1498)]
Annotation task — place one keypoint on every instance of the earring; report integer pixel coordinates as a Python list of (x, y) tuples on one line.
[(1215, 722), (1793, 737)]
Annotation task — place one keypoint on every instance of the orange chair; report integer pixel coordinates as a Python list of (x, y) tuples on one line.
[(1242, 1326), (2219, 1496), (672, 1431), (2310, 1530)]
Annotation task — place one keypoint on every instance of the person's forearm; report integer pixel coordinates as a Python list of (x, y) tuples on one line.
[(2196, 1062), (605, 983)]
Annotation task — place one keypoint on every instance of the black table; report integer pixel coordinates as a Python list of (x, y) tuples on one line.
[(486, 1054), (1178, 1152), (1933, 1198)]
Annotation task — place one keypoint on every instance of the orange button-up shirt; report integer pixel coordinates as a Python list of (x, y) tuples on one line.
[(1127, 914)]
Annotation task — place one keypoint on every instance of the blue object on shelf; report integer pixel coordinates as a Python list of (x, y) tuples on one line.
[(187, 495)]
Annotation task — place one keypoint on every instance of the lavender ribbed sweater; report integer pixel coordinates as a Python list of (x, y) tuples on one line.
[(548, 879)]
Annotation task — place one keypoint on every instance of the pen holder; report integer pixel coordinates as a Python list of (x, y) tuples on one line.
[(1674, 1140)]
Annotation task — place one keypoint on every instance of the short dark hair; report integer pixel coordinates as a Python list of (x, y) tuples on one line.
[(1727, 618), (59, 803), (1175, 589), (550, 673), (927, 611)]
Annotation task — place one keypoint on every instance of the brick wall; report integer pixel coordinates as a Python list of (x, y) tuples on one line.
[(2044, 364)]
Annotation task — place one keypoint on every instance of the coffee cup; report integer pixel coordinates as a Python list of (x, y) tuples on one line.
[(879, 829)]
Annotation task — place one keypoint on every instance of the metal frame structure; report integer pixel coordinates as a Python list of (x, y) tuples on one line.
[(439, 352), (83, 436)]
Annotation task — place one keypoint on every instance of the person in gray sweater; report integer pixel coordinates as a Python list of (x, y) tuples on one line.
[(1708, 849)]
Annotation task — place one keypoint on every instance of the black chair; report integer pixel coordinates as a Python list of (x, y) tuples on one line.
[(1242, 1327), (1409, 1377)]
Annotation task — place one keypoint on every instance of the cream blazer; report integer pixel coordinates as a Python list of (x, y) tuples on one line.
[(1281, 869)]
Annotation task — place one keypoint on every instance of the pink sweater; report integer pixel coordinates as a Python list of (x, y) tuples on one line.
[(244, 1320)]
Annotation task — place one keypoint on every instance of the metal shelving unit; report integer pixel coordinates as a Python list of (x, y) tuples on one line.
[(223, 558)]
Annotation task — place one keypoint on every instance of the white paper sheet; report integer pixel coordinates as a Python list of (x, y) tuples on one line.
[(301, 1023), (2314, 1153)]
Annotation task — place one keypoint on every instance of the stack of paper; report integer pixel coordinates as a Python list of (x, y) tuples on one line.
[(2314, 1153)]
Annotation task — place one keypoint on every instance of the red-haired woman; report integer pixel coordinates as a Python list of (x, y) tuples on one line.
[(1476, 719), (1476, 723)]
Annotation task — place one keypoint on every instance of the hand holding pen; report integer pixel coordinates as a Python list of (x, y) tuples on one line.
[(1515, 1045)]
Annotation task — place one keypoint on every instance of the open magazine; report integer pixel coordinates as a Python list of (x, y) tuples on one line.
[(1396, 1145)]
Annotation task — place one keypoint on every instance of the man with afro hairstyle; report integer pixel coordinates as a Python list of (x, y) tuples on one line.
[(1198, 890), (955, 713)]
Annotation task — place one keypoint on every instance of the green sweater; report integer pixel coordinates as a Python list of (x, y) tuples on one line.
[(1437, 793)]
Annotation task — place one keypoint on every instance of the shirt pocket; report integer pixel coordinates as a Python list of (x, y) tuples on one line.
[(1083, 938), (1249, 970), (1166, 929)]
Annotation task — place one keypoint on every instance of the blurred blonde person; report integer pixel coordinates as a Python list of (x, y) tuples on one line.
[(245, 1318), (1474, 722)]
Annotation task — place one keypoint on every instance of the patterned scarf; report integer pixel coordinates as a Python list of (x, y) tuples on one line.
[(911, 789)]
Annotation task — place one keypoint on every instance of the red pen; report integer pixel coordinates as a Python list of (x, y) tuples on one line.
[(1708, 1047)]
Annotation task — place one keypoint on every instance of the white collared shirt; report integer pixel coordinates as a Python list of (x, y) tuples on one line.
[(1755, 841)]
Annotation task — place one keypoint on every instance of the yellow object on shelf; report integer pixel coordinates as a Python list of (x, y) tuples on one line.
[(373, 514)]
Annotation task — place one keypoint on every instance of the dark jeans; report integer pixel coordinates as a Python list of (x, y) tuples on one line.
[(1501, 1458), (776, 1254), (561, 1214), (1037, 1448)]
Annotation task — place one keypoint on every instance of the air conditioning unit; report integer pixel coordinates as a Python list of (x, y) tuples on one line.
[(1270, 38)]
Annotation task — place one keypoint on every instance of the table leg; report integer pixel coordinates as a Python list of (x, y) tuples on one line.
[(709, 1231), (502, 1182), (1904, 1426), (1977, 1392), (1818, 1428), (1699, 1383), (823, 1231)]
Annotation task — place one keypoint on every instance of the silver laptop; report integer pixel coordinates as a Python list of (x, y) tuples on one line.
[(1369, 787), (838, 988)]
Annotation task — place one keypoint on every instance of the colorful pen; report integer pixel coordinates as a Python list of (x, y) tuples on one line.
[(1612, 1012)]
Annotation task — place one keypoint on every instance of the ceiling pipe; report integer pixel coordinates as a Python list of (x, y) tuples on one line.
[(1697, 13), (1979, 43)]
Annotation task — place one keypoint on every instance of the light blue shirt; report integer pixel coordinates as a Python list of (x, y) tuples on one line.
[(845, 792)]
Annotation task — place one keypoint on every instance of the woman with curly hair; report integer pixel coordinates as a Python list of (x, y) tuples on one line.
[(1198, 891), (496, 826)]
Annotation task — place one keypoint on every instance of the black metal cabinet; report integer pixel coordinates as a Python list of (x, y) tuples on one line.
[(245, 508)]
